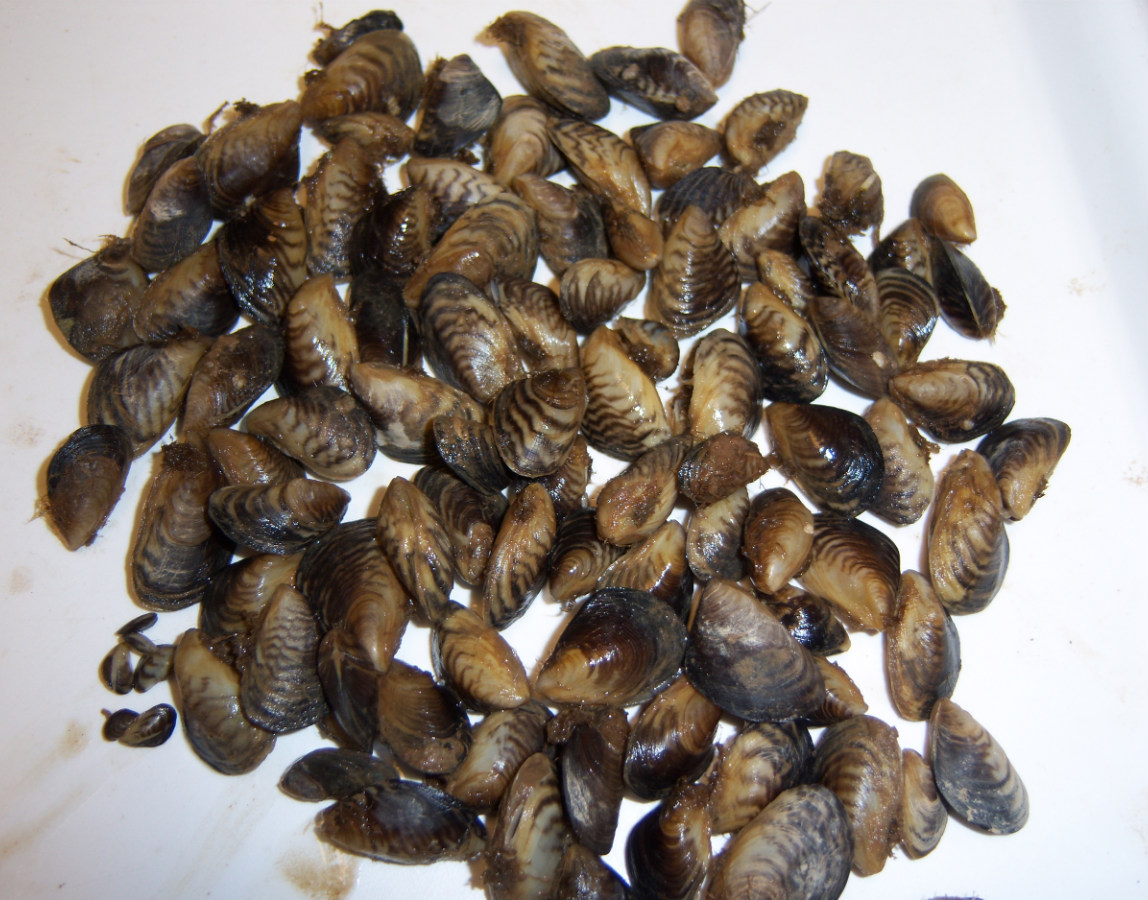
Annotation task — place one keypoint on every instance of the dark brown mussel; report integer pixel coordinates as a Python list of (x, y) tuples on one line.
[(415, 542), (207, 688), (459, 104), (656, 80), (162, 150), (470, 449), (856, 568), (851, 195), (190, 296), (744, 660), (837, 265), (671, 741), (619, 648), (263, 255), (668, 850), (245, 459), (709, 33), (714, 537), (593, 745), (761, 126), (537, 418), (967, 301), (345, 186), (154, 667), (636, 501), (336, 40), (333, 773), (810, 620), (500, 743), (142, 389), (472, 658), (831, 453), (384, 327), (777, 538), (85, 478), (347, 580), (234, 372), (238, 593), (351, 685), (671, 150), (116, 669), (517, 143), (723, 382), (944, 210), (545, 339), (175, 218), (150, 728), (404, 822), (634, 237), (923, 815), (906, 247), (922, 649), (567, 486), (279, 685), (859, 759), (966, 543), (719, 192), (593, 291), (570, 224), (470, 516), (1023, 454), (396, 234), (656, 564), (755, 766), (422, 721), (579, 557), (95, 301), (583, 875), (800, 845), (789, 354), (767, 221), (548, 64), (907, 312), (278, 518), (973, 773), (176, 549), (908, 483), (379, 71), (716, 467), (454, 186), (650, 344), (954, 400), (520, 555), (856, 349), (385, 134), (254, 152)]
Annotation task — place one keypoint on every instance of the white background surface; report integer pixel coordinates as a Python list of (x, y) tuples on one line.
[(1037, 109)]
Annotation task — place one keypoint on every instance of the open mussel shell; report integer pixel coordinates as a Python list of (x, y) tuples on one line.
[(923, 815), (379, 72), (855, 567), (800, 845), (500, 743), (668, 850), (404, 822), (332, 773), (656, 80), (1023, 454), (944, 210), (593, 743), (458, 105), (922, 649), (831, 453), (278, 518), (967, 301), (777, 538), (86, 477), (754, 767), (619, 648), (744, 660), (761, 126), (536, 419), (973, 773), (709, 34), (954, 400)]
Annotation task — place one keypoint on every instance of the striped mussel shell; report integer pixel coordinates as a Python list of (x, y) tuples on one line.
[(570, 224), (908, 483), (671, 150), (761, 126), (458, 105), (954, 400), (410, 530), (970, 305), (500, 743), (593, 291), (454, 186), (334, 773), (636, 501), (777, 538), (239, 592), (567, 485), (656, 564), (709, 33), (319, 336), (792, 363), (579, 557), (922, 649), (755, 766), (764, 222), (923, 814), (722, 382), (656, 80), (605, 164), (517, 143), (520, 555), (944, 210), (668, 850), (837, 265), (396, 233), (278, 518), (471, 518), (175, 218), (907, 312), (351, 685), (854, 345), (721, 464), (544, 338), (345, 186), (843, 699), (810, 619), (85, 479), (477, 663), (650, 344), (469, 448), (421, 720), (1023, 454), (906, 247), (336, 40), (851, 195), (382, 132), (717, 191), (246, 459), (380, 71), (159, 152), (714, 537), (536, 419)]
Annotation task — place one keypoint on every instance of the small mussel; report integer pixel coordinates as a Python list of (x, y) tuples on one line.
[(713, 537), (245, 459), (668, 850), (414, 540), (671, 150), (709, 33), (1023, 454), (851, 197), (150, 728), (477, 662), (967, 301), (922, 649), (716, 467), (517, 144), (792, 363), (761, 126), (459, 104), (944, 210), (954, 400), (536, 420), (593, 742), (777, 538), (923, 815), (656, 80), (519, 556), (85, 479), (907, 485), (422, 721), (810, 619), (278, 518), (158, 154), (175, 218), (500, 743)]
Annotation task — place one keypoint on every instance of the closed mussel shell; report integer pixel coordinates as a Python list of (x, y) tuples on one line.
[(190, 296), (536, 419), (501, 742), (458, 105), (351, 685), (175, 218), (414, 540), (966, 544), (907, 485), (116, 669), (843, 699), (517, 143), (656, 80), (422, 721), (336, 40), (671, 150), (603, 162), (709, 33), (380, 131), (837, 265), (85, 478), (544, 338), (767, 221), (593, 291), (967, 301), (470, 517), (780, 271), (716, 467), (716, 191), (744, 660), (954, 400), (973, 773), (714, 537), (584, 875), (619, 648), (1023, 454), (324, 428), (656, 564), (397, 233), (454, 186), (319, 336), (579, 557), (593, 743), (922, 650), (860, 761), (777, 538), (668, 850), (520, 555), (855, 567), (636, 501), (278, 518), (156, 156), (855, 347), (761, 126), (570, 224), (723, 382), (810, 619), (567, 485), (150, 728), (907, 312), (384, 327), (470, 449), (345, 185), (792, 363), (237, 595), (906, 247), (650, 344), (944, 210), (851, 195), (332, 773), (923, 815), (245, 459), (476, 661), (831, 453), (755, 766), (379, 71), (405, 822)]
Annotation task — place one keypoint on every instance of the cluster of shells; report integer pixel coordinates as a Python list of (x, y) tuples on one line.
[(443, 352)]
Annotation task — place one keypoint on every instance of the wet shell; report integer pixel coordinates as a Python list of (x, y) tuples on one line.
[(470, 449), (624, 414), (851, 196), (973, 774), (380, 71), (344, 187), (1023, 454), (501, 742), (777, 538), (279, 686), (454, 185), (721, 385), (383, 133), (176, 550), (421, 720), (670, 150), (263, 255), (414, 540), (94, 302), (860, 761), (656, 564), (519, 556), (967, 301), (636, 501), (761, 126), (339, 39), (334, 773), (517, 143), (831, 453), (906, 247), (655, 80), (162, 150), (713, 537), (148, 729), (789, 354), (384, 327), (923, 815), (567, 486), (619, 648), (717, 191), (716, 467), (767, 221), (801, 845), (854, 345), (536, 420), (351, 685), (208, 699), (907, 314), (634, 237), (579, 557), (548, 64), (255, 152), (570, 224), (785, 277), (907, 485), (116, 669), (650, 344), (603, 162), (593, 291), (175, 218), (477, 663), (459, 104), (593, 745), (278, 518), (843, 699), (85, 478), (403, 822), (320, 340), (837, 264), (189, 297), (668, 850), (810, 620), (544, 338), (709, 33), (238, 593), (141, 389), (235, 371), (760, 762), (470, 517), (245, 459), (324, 428), (583, 875), (944, 210), (922, 650), (856, 568), (743, 659), (954, 400), (671, 741), (396, 234), (966, 543)]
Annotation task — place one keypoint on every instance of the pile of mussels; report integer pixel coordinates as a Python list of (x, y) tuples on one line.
[(442, 351)]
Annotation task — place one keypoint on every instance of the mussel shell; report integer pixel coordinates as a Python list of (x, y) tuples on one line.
[(458, 105), (593, 745), (837, 265), (668, 850), (670, 150), (792, 363), (831, 453), (319, 337), (761, 126), (570, 223), (716, 467), (634, 237), (907, 314), (906, 247), (810, 620), (190, 296), (636, 501), (333, 773), (709, 33), (379, 71), (922, 650), (345, 186), (500, 743), (351, 685), (454, 186), (908, 483), (85, 479), (767, 221), (851, 195), (723, 381), (583, 875), (159, 152), (278, 518), (245, 459), (384, 327), (517, 143), (567, 486), (536, 420), (954, 400), (150, 728), (422, 721), (777, 538), (744, 660), (471, 518), (843, 699), (380, 131), (854, 345), (923, 815), (650, 344), (470, 449), (593, 291), (973, 773), (1023, 454), (714, 537), (238, 593), (605, 164), (175, 218), (414, 540), (656, 80), (337, 40), (619, 648), (545, 339), (579, 557), (944, 210), (396, 234), (718, 192), (403, 822), (967, 301), (656, 564), (520, 555), (477, 663), (116, 669), (755, 766)]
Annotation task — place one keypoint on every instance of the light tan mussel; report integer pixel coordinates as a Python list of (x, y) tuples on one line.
[(579, 557), (245, 459), (922, 649), (1023, 454), (761, 126), (755, 766), (85, 479), (843, 699), (454, 186), (791, 361), (671, 150), (238, 593), (668, 850), (635, 502), (500, 743), (656, 564), (954, 400), (923, 815), (855, 567), (604, 163), (709, 33), (415, 542), (319, 336), (944, 210), (907, 314), (473, 659), (907, 484), (520, 555), (777, 538), (720, 386), (851, 195), (517, 143), (767, 222), (650, 344), (714, 537), (593, 291), (544, 338)]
